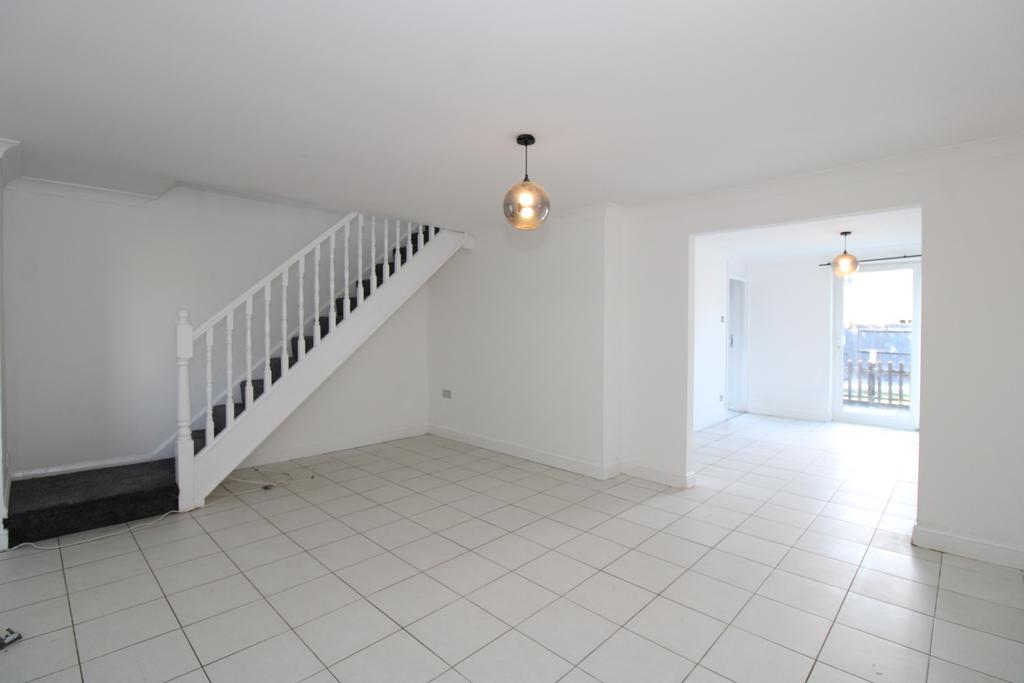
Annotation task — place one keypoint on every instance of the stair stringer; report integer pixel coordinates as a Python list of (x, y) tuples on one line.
[(251, 428)]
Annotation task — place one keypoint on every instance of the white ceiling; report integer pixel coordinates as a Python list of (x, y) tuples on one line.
[(411, 108), (881, 234)]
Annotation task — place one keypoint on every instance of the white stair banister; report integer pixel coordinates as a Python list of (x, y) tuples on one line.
[(284, 323), (209, 385), (373, 254), (317, 336), (229, 407), (332, 314), (247, 396), (345, 306), (408, 243), (387, 256), (266, 341), (398, 245), (300, 347), (206, 454), (359, 267), (184, 446)]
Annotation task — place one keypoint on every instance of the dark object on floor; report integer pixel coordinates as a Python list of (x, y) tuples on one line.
[(9, 636), (47, 507)]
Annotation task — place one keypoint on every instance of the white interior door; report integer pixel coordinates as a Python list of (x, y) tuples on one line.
[(736, 391), (877, 343)]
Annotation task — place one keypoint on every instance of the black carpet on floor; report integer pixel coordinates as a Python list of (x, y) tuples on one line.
[(47, 507)]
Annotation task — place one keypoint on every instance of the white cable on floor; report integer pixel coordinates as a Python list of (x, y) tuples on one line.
[(264, 485)]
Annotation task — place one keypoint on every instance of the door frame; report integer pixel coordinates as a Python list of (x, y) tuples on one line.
[(740, 405), (913, 419)]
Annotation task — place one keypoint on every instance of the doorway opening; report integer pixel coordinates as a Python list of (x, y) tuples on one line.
[(776, 334)]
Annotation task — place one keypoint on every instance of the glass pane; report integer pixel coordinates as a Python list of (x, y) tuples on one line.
[(878, 307)]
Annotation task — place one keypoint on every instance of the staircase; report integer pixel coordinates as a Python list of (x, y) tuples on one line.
[(306, 318), (248, 368)]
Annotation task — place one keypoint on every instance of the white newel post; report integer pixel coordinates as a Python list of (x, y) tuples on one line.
[(185, 449)]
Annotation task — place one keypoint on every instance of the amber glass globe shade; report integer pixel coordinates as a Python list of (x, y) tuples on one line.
[(845, 265), (526, 205)]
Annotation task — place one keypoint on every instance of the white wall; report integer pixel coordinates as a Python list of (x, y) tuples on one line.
[(379, 394), (92, 280), (516, 332), (789, 338), (970, 472), (10, 168), (711, 335)]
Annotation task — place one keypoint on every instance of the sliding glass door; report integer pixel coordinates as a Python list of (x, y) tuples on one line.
[(876, 366)]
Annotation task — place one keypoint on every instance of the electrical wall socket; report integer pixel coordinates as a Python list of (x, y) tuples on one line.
[(446, 393)]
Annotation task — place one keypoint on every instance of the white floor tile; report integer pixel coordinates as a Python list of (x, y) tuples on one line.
[(457, 630), (229, 632), (399, 657), (739, 571), (784, 625), (979, 651), (513, 658), (466, 572), (121, 629), (212, 598), (684, 631), (158, 659), (556, 572), (281, 659), (412, 599), (39, 656), (746, 658), (611, 597), (376, 573), (340, 633), (888, 621), (871, 657), (313, 599), (429, 551), (512, 598), (888, 588), (628, 658), (548, 627)]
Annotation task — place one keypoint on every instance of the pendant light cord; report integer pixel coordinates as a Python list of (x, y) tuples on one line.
[(526, 163)]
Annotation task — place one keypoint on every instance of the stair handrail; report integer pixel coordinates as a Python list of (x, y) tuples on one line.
[(406, 242), (273, 275)]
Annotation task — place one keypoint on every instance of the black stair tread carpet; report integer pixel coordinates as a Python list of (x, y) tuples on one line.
[(47, 507)]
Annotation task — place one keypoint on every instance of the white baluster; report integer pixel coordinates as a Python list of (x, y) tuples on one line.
[(317, 336), (423, 232), (285, 351), (387, 256), (185, 447), (346, 305), (266, 339), (247, 398), (359, 261), (229, 404), (300, 351), (209, 386), (373, 254), (408, 243), (398, 245), (333, 314)]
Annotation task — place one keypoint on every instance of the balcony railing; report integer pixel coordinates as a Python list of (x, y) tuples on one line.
[(876, 383)]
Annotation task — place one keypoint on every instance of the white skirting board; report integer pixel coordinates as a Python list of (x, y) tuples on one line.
[(561, 462), (975, 548), (321, 447)]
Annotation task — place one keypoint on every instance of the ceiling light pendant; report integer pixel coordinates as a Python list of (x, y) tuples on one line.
[(845, 264), (526, 204)]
